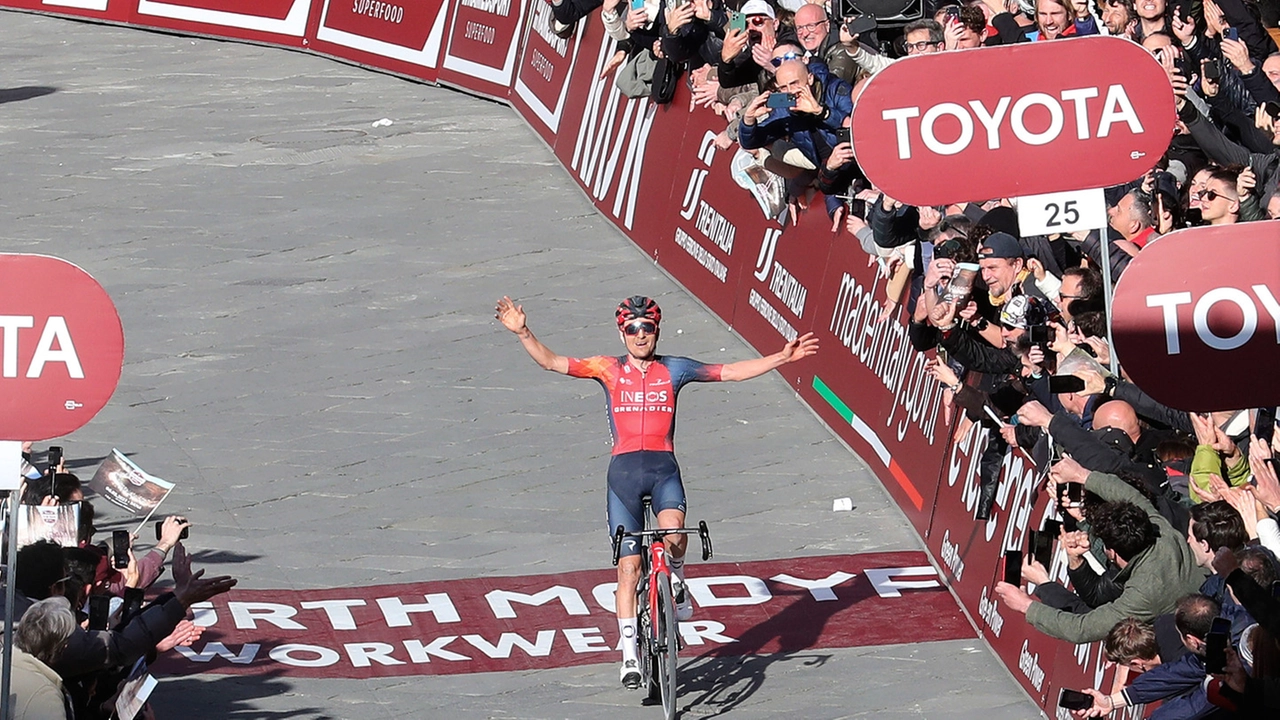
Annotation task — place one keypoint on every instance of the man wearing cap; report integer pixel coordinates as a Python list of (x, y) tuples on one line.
[(745, 55), (1005, 271)]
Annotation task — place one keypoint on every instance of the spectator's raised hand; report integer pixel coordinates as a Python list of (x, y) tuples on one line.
[(1214, 22), (939, 269), (1014, 598), (610, 6), (1101, 350), (969, 312), (1102, 705), (951, 33), (1238, 54), (1183, 27), (1266, 486), (190, 588), (1263, 120), (1224, 561), (840, 156), (1241, 498), (762, 53), (1034, 572), (1205, 430), (636, 19), (1067, 470), (806, 103), (614, 63), (1075, 545), (184, 635), (853, 224), (799, 349), (929, 217), (702, 9), (943, 315), (705, 92), (678, 17), (1035, 414), (1094, 383), (757, 109), (735, 41), (1246, 181), (942, 372)]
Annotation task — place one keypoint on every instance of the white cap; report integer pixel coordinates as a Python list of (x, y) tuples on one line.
[(758, 7), (792, 5)]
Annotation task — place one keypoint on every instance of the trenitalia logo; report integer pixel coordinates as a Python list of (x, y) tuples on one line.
[(992, 122)]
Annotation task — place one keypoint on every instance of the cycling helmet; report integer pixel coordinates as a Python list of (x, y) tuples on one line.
[(638, 307)]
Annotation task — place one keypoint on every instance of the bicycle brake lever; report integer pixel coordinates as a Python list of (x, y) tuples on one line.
[(705, 534), (617, 543)]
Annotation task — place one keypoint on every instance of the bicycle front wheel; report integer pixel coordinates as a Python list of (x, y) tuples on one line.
[(667, 645)]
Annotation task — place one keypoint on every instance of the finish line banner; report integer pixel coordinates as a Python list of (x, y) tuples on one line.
[(548, 621)]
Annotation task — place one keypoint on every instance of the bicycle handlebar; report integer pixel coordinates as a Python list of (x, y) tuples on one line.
[(701, 531)]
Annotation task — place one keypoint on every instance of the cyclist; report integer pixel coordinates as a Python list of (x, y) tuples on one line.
[(641, 388)]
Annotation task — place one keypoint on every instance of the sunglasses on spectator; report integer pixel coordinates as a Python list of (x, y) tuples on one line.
[(777, 62), (635, 328), (757, 19), (1212, 195)]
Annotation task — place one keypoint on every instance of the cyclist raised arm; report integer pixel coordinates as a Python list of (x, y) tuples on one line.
[(798, 349), (640, 389), (513, 318)]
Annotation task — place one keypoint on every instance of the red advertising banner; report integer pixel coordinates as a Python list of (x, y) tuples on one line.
[(482, 45), (113, 10), (985, 123), (546, 65), (1170, 325), (869, 383), (546, 621), (282, 22), (403, 37), (60, 353)]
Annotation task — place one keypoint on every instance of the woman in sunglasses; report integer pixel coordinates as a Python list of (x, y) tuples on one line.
[(641, 388)]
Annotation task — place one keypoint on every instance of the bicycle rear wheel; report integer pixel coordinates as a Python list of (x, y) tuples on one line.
[(667, 645)]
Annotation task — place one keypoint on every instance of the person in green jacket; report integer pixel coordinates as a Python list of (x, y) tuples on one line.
[(1157, 565)]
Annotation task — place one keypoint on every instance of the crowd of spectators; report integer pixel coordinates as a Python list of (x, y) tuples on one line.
[(1168, 517), (83, 619)]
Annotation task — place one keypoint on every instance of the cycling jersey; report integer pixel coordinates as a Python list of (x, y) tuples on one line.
[(642, 405)]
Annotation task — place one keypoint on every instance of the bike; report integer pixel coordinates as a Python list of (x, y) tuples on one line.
[(658, 633)]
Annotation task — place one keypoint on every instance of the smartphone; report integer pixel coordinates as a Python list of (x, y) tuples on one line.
[(1233, 34), (1069, 523), (1040, 545), (860, 25), (1215, 646), (780, 100), (99, 612), (1212, 70), (1074, 494), (844, 135), (1275, 589), (186, 531), (120, 549), (1074, 700), (1264, 425), (1013, 567), (1065, 384), (737, 21), (1272, 108), (953, 13), (1040, 334), (1052, 528), (55, 456)]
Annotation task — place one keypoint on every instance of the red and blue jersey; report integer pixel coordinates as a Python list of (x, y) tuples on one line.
[(642, 405)]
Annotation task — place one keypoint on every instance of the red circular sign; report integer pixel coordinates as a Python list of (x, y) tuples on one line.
[(1196, 317), (61, 347), (1011, 121)]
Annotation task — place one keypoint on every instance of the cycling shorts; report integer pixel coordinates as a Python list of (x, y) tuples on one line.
[(634, 475)]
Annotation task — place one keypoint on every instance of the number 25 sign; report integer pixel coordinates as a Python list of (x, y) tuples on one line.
[(1062, 212)]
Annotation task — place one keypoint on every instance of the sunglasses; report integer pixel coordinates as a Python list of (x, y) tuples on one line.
[(647, 326), (1212, 195), (777, 62)]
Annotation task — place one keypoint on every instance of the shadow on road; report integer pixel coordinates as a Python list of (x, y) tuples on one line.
[(28, 92)]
